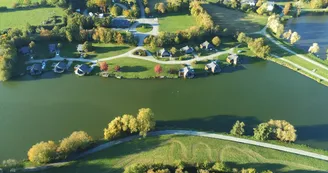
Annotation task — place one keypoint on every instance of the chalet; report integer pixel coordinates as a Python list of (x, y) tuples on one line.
[(270, 5), (213, 67), (232, 59), (120, 23), (25, 50), (249, 2), (187, 73), (52, 48), (164, 53), (79, 48), (187, 50), (60, 67), (82, 70), (36, 69), (206, 45)]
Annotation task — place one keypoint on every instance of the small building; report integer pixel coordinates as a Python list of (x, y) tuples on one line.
[(187, 50), (187, 73), (25, 50), (249, 2), (36, 69), (60, 67), (213, 67), (270, 6), (82, 70), (120, 23), (91, 14), (206, 45), (164, 53), (79, 48), (52, 48), (232, 59), (101, 15)]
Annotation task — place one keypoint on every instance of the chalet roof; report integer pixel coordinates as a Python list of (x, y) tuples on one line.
[(162, 51), (36, 67), (84, 68), (212, 65), (233, 57), (61, 65), (187, 48), (80, 47)]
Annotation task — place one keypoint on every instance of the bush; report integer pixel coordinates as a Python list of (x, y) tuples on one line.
[(11, 164), (238, 129), (78, 140), (43, 152), (263, 131)]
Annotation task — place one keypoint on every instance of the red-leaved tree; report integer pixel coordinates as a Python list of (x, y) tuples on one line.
[(117, 68), (103, 66), (158, 69)]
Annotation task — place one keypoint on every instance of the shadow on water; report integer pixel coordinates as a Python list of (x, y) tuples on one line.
[(312, 132), (44, 75)]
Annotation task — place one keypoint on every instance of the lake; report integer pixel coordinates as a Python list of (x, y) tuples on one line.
[(313, 28), (51, 107)]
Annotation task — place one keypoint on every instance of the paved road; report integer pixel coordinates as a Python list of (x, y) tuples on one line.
[(188, 133)]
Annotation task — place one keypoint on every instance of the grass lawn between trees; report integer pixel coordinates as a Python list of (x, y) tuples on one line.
[(144, 28), (19, 18), (168, 148)]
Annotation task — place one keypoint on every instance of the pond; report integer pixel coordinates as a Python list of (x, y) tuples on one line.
[(51, 107), (313, 28)]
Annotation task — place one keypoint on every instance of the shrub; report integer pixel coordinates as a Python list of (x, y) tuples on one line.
[(238, 129), (43, 152), (117, 68), (158, 69), (263, 131), (283, 130), (78, 140), (103, 66), (221, 167), (216, 41)]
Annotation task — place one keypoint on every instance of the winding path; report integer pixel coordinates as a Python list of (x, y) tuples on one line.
[(188, 133)]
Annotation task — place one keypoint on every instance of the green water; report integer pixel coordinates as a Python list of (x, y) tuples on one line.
[(51, 108)]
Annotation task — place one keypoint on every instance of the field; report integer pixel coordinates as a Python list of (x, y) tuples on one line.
[(100, 50), (19, 18), (173, 22), (9, 3), (235, 20), (144, 28), (166, 149), (136, 68)]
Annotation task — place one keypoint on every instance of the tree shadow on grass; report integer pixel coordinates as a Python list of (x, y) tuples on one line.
[(133, 69)]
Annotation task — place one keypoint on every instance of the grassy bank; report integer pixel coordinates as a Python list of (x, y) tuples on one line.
[(19, 18), (166, 149)]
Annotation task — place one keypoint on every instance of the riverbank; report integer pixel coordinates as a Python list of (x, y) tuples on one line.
[(187, 149)]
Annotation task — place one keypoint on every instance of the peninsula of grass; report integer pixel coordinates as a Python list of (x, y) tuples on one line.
[(19, 18), (234, 20), (144, 28), (191, 149), (100, 50)]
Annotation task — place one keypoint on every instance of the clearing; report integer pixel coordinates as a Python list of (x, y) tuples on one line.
[(168, 148), (235, 20), (9, 3)]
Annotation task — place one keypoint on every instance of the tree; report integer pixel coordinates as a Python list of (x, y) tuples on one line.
[(294, 37), (146, 121), (103, 66), (86, 47), (147, 11), (174, 51), (129, 123), (287, 34), (27, 2), (161, 8), (177, 40), (29, 28), (262, 9), (263, 131), (115, 11), (280, 30), (241, 37), (317, 4), (314, 48), (59, 45), (221, 167), (100, 3), (78, 140), (119, 38), (126, 13), (216, 41), (31, 45), (114, 129), (287, 8), (117, 68), (238, 129), (158, 69), (283, 130), (145, 2), (43, 152)]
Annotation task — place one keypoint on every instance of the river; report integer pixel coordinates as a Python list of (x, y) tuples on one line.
[(51, 107), (313, 28)]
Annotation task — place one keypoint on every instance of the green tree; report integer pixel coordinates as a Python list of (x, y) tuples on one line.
[(216, 41), (280, 30), (147, 11), (146, 121), (87, 46), (263, 131), (241, 37), (78, 140), (238, 129), (161, 8), (114, 129), (174, 51), (31, 45), (43, 152)]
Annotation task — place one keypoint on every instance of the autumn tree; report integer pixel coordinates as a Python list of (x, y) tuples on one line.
[(43, 152), (129, 123), (263, 131), (287, 34), (283, 130), (31, 45), (216, 41), (126, 13), (114, 129), (238, 129), (103, 66), (241, 37), (287, 8), (158, 69), (314, 48), (87, 46), (100, 3), (115, 11), (146, 121), (294, 37), (160, 7), (119, 38), (318, 3), (78, 140), (147, 11), (173, 50), (117, 68)]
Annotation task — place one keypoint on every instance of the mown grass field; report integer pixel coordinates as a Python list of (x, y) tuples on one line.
[(235, 20), (9, 3), (173, 22), (19, 18), (100, 50), (166, 149), (136, 68)]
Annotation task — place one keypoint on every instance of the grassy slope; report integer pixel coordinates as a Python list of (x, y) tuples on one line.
[(235, 20), (167, 149), (9, 3), (100, 50), (19, 18)]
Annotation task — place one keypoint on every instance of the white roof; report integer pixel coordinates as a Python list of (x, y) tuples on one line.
[(90, 14)]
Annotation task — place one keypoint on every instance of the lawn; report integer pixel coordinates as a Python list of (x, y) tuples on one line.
[(19, 18), (9, 3), (173, 22), (235, 20), (136, 68), (166, 149), (100, 50), (144, 28)]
